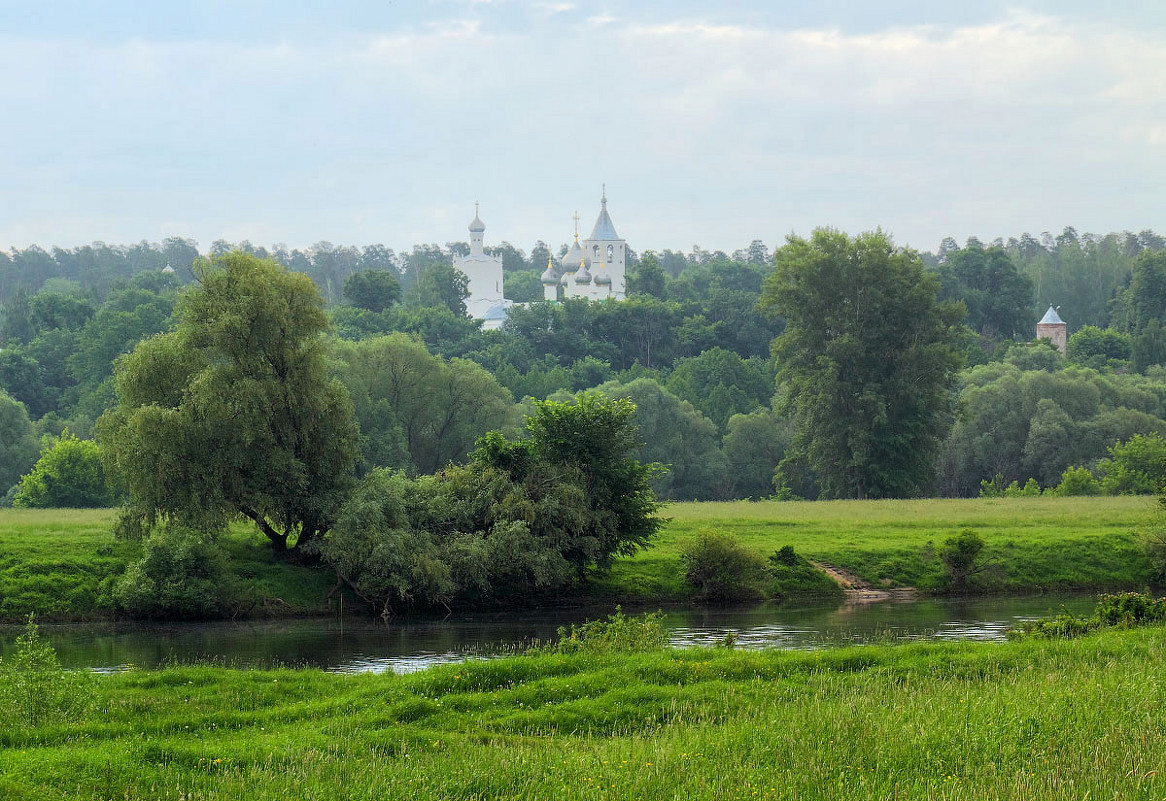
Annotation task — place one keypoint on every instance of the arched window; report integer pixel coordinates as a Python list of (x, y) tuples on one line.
[(610, 253)]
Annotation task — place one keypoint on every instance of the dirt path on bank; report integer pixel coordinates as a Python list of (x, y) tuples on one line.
[(857, 589)]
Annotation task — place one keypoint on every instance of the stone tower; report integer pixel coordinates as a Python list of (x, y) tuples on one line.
[(1051, 326)]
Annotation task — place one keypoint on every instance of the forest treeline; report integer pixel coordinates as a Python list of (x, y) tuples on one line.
[(691, 347)]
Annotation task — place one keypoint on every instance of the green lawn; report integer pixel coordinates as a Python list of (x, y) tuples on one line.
[(1027, 721)]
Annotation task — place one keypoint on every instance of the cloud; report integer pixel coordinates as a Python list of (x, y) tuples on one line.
[(716, 131)]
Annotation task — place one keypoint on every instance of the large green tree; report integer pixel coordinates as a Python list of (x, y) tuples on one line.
[(867, 361), (232, 413)]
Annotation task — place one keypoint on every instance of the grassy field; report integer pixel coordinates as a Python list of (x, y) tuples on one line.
[(1026, 720), (1039, 543), (60, 563)]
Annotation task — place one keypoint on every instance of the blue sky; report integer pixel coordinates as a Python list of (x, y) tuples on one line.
[(710, 124)]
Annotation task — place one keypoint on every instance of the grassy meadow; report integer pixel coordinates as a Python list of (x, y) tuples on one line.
[(61, 563), (1032, 720), (1042, 543)]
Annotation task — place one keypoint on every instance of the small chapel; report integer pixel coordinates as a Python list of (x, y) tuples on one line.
[(594, 269)]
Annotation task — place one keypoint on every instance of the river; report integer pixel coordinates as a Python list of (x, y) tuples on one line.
[(404, 645)]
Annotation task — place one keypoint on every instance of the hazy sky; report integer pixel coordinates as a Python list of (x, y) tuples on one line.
[(710, 123)]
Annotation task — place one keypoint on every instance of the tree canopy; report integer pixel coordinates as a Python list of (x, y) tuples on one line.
[(866, 363), (232, 413)]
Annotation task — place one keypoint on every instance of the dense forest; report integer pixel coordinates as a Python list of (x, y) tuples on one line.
[(691, 347)]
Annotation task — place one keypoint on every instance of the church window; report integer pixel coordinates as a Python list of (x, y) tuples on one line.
[(610, 253)]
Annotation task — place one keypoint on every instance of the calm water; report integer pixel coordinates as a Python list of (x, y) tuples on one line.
[(363, 645)]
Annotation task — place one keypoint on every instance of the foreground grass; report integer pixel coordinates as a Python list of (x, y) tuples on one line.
[(61, 564), (1038, 543), (1028, 720)]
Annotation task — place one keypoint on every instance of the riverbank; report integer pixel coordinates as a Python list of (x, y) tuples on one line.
[(62, 564), (1025, 720)]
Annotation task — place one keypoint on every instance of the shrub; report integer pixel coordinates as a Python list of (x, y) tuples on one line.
[(67, 475), (993, 488), (35, 689), (960, 555), (1031, 489), (1135, 467), (617, 634), (721, 569), (183, 574), (1124, 610), (1077, 481)]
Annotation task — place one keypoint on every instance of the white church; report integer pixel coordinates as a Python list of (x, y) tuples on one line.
[(595, 270)]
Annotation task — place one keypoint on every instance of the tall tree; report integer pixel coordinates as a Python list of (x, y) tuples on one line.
[(232, 413), (866, 363)]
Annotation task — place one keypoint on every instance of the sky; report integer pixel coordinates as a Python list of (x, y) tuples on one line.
[(710, 124)]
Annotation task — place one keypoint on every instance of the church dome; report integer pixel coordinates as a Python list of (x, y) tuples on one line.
[(603, 279), (574, 256), (582, 275), (548, 276), (477, 226)]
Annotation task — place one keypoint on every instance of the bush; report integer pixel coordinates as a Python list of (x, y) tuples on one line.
[(1031, 489), (617, 634), (1135, 467), (960, 555), (182, 575), (1077, 481), (35, 689), (1123, 610), (67, 475), (721, 569)]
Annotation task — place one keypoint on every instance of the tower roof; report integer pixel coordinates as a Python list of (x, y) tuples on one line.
[(1051, 318), (604, 229)]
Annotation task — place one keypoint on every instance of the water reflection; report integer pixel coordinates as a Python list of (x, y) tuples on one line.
[(357, 645)]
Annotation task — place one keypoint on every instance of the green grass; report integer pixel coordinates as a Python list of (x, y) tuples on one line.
[(60, 564), (1041, 543), (1027, 720)]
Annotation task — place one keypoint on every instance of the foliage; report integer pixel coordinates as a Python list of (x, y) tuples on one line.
[(1090, 346), (1077, 481), (522, 517), (182, 575), (619, 634), (596, 437), (233, 413), (997, 296), (1031, 489), (1135, 467), (416, 411), (1123, 610), (372, 290), (721, 569), (35, 690), (69, 474), (18, 444), (754, 445), (960, 555), (1036, 424), (867, 361), (674, 434)]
